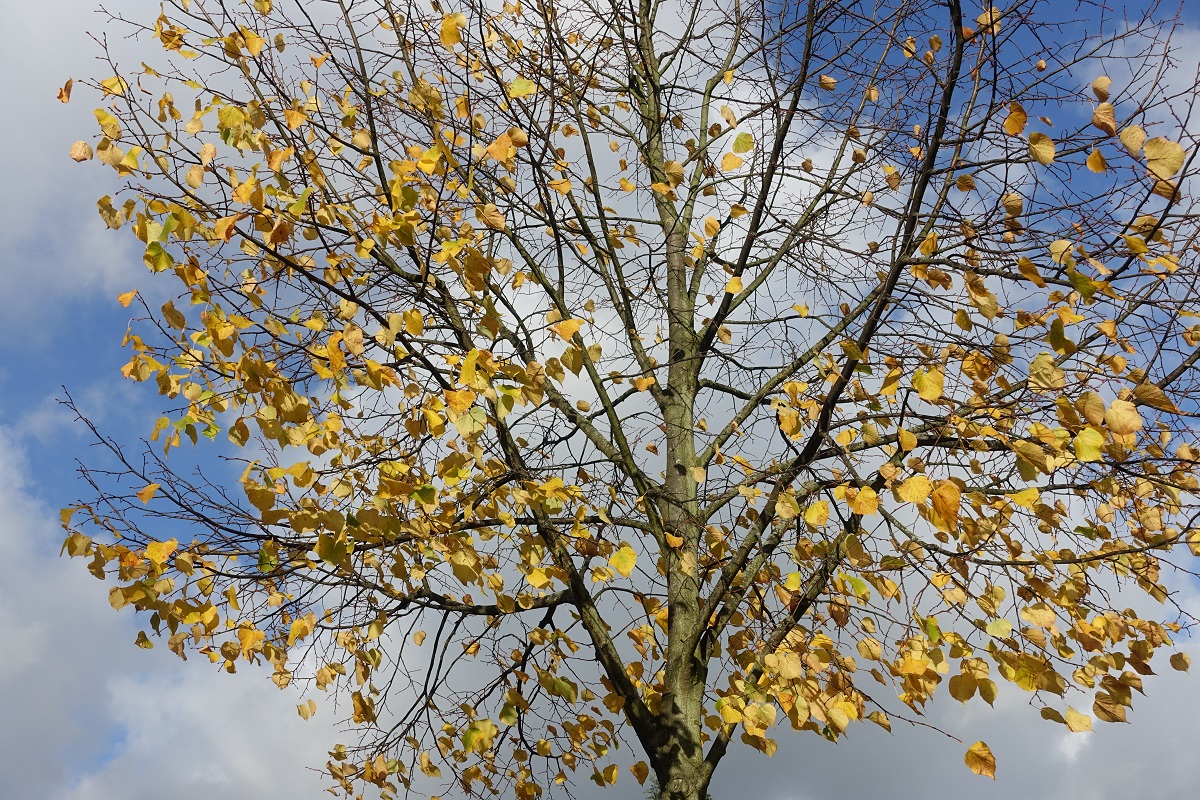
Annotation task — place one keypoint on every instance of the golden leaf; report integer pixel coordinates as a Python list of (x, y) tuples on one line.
[(980, 760), (126, 298), (827, 83), (114, 86), (1163, 157), (451, 23), (915, 489), (1149, 394), (817, 514), (560, 185), (1100, 87), (674, 173), (1105, 118), (1039, 614), (146, 494), (567, 328), (81, 151), (490, 216), (1122, 418), (1077, 722), (730, 162), (1133, 138), (734, 286), (1096, 161), (866, 502), (1041, 148), (1014, 123), (929, 383), (159, 552), (947, 498)]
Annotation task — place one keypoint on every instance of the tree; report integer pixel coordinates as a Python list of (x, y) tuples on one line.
[(662, 373)]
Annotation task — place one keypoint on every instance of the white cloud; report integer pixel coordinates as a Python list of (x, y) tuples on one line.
[(90, 717)]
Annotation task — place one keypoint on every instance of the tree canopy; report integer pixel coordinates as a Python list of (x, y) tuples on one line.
[(674, 374)]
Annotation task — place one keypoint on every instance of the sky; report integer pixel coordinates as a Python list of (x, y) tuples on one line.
[(88, 716)]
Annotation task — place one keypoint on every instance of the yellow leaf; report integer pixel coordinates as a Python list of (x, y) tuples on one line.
[(915, 489), (907, 439), (147, 493), (1039, 614), (866, 502), (946, 500), (1077, 722), (159, 552), (730, 162), (1105, 118), (1181, 662), (451, 23), (734, 286), (640, 771), (108, 124), (1089, 444), (1096, 161), (1026, 498), (929, 383), (114, 86), (827, 83), (1163, 157), (567, 328), (626, 186), (786, 507), (521, 87), (1014, 123), (980, 760), (1133, 138), (642, 384), (623, 560), (712, 226), (1100, 87), (560, 185), (1041, 148), (126, 298), (1122, 418), (817, 514)]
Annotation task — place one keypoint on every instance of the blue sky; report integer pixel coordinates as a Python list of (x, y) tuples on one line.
[(87, 715)]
